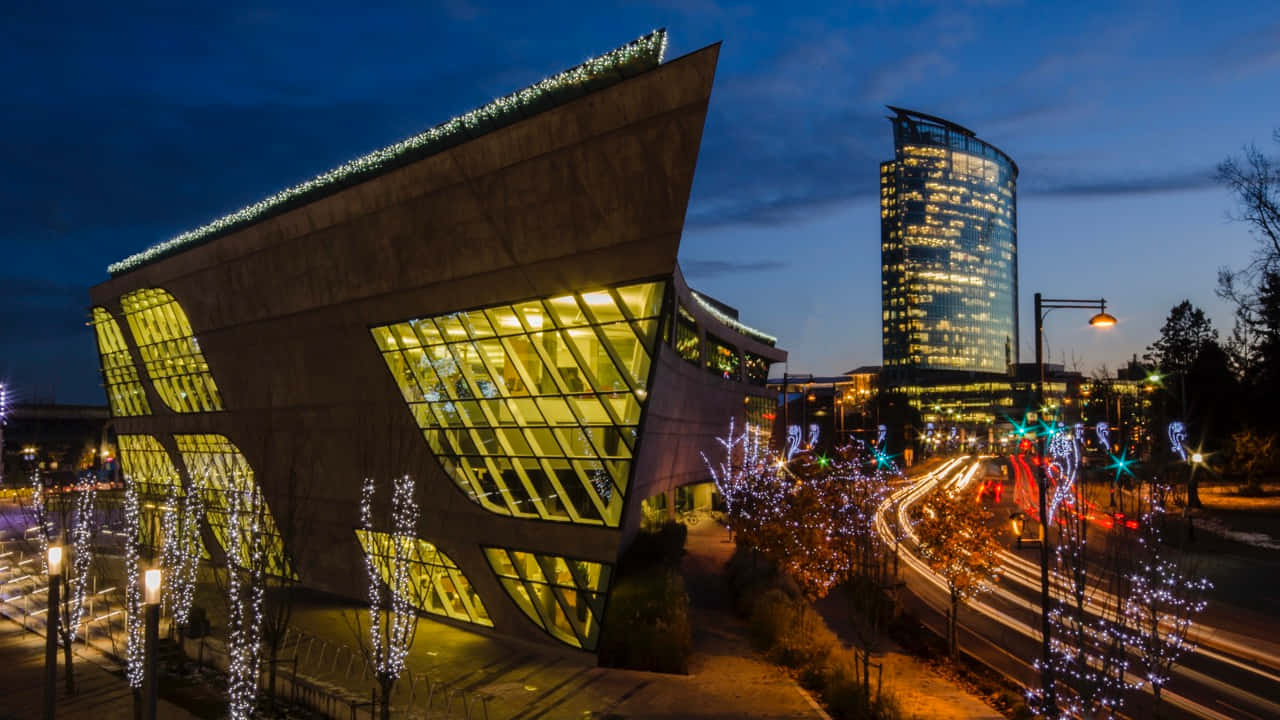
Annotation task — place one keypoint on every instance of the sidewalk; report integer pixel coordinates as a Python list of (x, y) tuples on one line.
[(525, 682), (101, 691)]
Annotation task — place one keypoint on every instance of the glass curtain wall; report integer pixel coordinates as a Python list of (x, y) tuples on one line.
[(533, 408)]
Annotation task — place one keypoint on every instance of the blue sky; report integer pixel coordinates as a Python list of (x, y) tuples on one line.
[(127, 124)]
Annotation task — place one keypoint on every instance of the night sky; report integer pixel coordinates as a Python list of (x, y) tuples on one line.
[(124, 126)]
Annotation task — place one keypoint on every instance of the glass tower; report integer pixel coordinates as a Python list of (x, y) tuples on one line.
[(949, 251)]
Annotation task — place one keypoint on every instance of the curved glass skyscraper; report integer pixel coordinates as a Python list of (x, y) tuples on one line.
[(949, 244)]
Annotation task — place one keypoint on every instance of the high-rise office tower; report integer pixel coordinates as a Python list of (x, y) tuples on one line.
[(949, 244)]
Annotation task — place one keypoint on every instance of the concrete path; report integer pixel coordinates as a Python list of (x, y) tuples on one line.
[(526, 682), (101, 692)]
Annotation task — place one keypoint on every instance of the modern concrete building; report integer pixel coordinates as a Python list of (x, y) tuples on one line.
[(492, 307)]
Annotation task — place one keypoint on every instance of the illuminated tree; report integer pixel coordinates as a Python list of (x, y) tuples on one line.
[(1162, 600), (181, 549), (246, 568), (959, 544), (1092, 636), (393, 621)]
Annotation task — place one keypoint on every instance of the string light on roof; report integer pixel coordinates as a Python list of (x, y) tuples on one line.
[(736, 325), (648, 50)]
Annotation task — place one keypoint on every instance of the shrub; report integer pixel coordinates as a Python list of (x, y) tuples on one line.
[(663, 546), (647, 623)]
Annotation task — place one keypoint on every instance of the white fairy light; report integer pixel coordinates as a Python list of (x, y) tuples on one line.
[(40, 513), (736, 325), (245, 509), (133, 588), (82, 535), (647, 51), (181, 550), (390, 598)]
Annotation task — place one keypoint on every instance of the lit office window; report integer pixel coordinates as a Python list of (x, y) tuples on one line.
[(437, 583), (170, 351), (124, 388), (533, 408), (563, 596), (224, 475)]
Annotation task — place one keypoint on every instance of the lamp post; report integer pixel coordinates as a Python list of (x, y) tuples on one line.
[(51, 633), (1102, 319), (151, 600)]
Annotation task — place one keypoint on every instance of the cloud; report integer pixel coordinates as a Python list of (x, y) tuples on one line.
[(707, 269), (1117, 185)]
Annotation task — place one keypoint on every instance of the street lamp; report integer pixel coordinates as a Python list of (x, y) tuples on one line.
[(1101, 319), (51, 633), (151, 600)]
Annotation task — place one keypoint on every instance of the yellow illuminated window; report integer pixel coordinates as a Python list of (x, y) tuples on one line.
[(155, 478), (533, 408), (170, 351), (437, 583), (563, 596), (224, 476), (124, 389)]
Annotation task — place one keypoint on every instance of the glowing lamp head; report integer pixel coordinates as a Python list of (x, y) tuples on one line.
[(1197, 458), (151, 587), (55, 559), (1103, 320)]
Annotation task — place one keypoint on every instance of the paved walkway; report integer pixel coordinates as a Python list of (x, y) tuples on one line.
[(526, 682), (101, 692)]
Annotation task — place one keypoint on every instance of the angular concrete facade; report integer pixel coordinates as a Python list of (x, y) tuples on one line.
[(583, 200)]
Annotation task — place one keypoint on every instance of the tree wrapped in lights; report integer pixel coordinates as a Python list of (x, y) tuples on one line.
[(747, 479), (181, 549), (246, 549), (393, 622), (133, 589), (81, 524), (1162, 602), (959, 544), (1091, 635)]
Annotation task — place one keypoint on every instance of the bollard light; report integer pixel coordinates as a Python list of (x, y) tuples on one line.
[(55, 559), (151, 583)]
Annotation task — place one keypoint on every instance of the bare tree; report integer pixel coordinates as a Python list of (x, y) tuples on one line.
[(285, 565), (1255, 181)]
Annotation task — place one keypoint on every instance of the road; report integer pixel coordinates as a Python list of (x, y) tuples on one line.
[(1226, 677)]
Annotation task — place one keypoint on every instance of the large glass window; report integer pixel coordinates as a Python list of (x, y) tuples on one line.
[(437, 583), (722, 358), (170, 351), (145, 461), (533, 408), (124, 388), (563, 596), (223, 474), (757, 369), (688, 340)]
